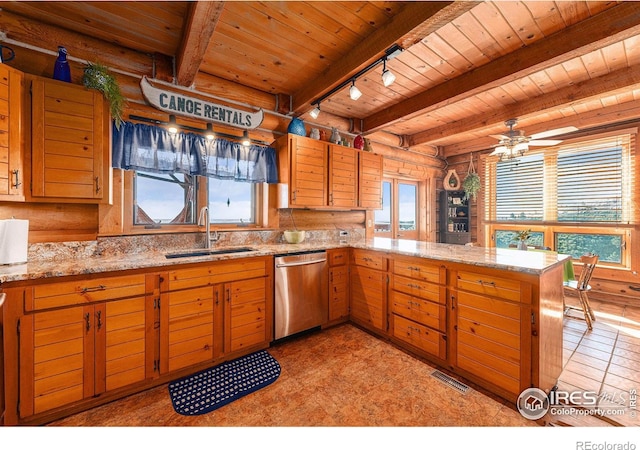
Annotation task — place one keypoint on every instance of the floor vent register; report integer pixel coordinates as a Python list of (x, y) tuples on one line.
[(449, 381)]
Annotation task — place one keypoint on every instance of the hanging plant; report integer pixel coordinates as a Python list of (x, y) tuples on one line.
[(97, 76), (471, 183)]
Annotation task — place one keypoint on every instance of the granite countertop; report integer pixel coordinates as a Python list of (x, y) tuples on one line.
[(533, 262)]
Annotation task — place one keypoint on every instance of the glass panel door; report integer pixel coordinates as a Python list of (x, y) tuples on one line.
[(398, 217)]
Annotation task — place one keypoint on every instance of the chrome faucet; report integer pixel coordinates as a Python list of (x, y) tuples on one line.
[(203, 221)]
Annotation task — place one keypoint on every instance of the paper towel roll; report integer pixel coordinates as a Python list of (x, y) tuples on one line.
[(14, 238)]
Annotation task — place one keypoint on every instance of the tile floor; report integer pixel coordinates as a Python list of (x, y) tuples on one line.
[(605, 360), (345, 377)]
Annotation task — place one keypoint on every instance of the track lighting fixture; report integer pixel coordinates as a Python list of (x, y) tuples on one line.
[(387, 79), (173, 126), (315, 112), (387, 76), (245, 139), (210, 134), (354, 92)]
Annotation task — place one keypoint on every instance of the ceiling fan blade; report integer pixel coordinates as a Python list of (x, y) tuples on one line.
[(499, 136), (544, 142), (553, 132)]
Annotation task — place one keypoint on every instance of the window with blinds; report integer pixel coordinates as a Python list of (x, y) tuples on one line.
[(520, 189), (588, 182)]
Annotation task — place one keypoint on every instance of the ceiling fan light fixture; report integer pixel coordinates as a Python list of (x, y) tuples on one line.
[(315, 112), (354, 92)]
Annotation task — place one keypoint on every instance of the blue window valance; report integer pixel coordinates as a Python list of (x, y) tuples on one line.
[(153, 149)]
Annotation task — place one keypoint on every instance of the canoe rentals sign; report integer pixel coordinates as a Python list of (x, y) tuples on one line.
[(176, 103)]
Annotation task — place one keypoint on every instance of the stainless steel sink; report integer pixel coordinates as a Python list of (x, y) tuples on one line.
[(206, 252)]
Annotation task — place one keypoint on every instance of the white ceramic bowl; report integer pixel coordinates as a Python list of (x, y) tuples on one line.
[(294, 237)]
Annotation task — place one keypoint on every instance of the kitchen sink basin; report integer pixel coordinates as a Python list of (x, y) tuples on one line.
[(205, 252)]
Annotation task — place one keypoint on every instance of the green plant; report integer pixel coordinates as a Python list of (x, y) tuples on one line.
[(471, 185), (97, 76)]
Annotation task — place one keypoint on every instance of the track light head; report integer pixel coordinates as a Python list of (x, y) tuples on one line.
[(354, 92), (315, 112), (387, 76)]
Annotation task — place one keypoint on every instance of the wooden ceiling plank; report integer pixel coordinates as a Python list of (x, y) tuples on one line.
[(199, 27), (609, 84), (612, 25), (424, 17)]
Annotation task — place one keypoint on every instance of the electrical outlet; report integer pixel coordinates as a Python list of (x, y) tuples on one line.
[(344, 233)]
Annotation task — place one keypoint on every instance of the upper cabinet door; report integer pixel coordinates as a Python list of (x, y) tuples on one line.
[(70, 142), (370, 174), (11, 171), (343, 177), (309, 182)]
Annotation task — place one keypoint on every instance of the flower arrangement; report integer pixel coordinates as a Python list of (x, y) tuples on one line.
[(97, 76), (523, 235)]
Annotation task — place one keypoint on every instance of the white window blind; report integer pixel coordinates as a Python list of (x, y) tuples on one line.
[(590, 186), (520, 189)]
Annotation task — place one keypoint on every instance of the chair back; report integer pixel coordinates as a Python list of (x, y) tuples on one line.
[(588, 264)]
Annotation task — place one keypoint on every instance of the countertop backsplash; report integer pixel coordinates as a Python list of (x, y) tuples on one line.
[(119, 245)]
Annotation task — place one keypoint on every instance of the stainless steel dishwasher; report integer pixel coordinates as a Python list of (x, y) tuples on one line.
[(302, 292)]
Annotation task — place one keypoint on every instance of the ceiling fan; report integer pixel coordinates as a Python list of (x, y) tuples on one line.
[(514, 142)]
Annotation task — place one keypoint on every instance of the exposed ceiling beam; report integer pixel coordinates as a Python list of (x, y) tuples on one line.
[(614, 83), (415, 21), (200, 25), (609, 116), (613, 25)]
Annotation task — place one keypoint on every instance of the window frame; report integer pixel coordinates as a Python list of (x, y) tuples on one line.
[(550, 226), (262, 208)]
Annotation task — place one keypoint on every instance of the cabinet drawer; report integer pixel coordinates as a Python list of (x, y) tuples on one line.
[(420, 336), (418, 269), (491, 285), (85, 291), (338, 257), (369, 259), (417, 288), (219, 272), (424, 312)]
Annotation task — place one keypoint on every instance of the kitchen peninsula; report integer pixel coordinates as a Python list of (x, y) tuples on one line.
[(492, 316)]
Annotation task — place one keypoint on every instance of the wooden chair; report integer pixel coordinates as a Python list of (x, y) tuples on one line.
[(581, 287)]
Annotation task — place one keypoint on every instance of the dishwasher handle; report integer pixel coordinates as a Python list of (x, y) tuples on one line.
[(301, 263)]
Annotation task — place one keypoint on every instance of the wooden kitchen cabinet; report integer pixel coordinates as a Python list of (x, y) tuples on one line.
[(368, 289), (417, 300), (320, 175), (303, 166), (338, 284), (78, 341), (215, 309), (70, 143), (343, 176), (11, 141), (492, 321), (369, 180)]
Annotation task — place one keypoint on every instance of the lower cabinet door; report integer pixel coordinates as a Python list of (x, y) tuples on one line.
[(246, 315), (187, 336), (56, 358), (368, 297), (121, 335), (420, 336), (492, 340)]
